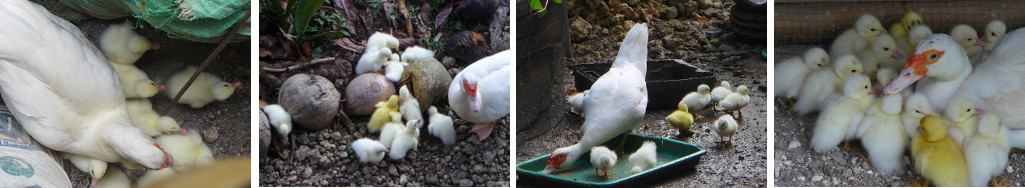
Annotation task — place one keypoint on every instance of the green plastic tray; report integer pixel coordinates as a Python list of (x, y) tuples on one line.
[(673, 156)]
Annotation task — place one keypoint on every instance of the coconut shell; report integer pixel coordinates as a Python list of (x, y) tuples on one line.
[(265, 134), (312, 100), (365, 91), (467, 47)]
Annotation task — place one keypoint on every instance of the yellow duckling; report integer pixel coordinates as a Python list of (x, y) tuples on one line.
[(681, 118), (937, 156), (380, 116)]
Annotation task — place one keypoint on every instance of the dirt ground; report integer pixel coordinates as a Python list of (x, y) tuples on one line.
[(796, 164), (325, 158), (224, 125), (707, 44)]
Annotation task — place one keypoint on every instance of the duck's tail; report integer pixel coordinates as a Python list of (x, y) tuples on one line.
[(634, 50)]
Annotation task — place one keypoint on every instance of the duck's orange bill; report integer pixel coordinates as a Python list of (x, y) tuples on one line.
[(918, 62)]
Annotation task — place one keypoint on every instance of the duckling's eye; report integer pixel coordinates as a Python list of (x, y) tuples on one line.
[(993, 34), (886, 49), (853, 71), (969, 110), (873, 29), (820, 65), (969, 39), (916, 111), (866, 87)]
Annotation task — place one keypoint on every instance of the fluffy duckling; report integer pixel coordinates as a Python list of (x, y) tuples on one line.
[(726, 126), (736, 101), (369, 151), (839, 120), (416, 53), (852, 41), (697, 99), (901, 29), (114, 179), (969, 39), (380, 40), (882, 52), (720, 92), (372, 60), (381, 114), (122, 45), (962, 119), (576, 102), (936, 156), (188, 150), (644, 158), (681, 119), (824, 83), (136, 83), (279, 119), (916, 108), (441, 126), (986, 152), (207, 88), (393, 70), (143, 117), (882, 134), (391, 129), (790, 74), (406, 140), (408, 105), (95, 168), (916, 34), (602, 158), (994, 30)]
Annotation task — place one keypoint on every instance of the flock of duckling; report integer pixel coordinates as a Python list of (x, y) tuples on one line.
[(951, 142)]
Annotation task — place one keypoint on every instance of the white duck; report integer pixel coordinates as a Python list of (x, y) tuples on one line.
[(720, 92), (369, 151), (961, 119), (916, 108), (616, 101), (725, 126), (790, 74), (941, 69), (858, 38), (143, 117), (825, 82), (882, 134), (644, 158), (205, 89), (839, 120), (987, 151), (480, 92), (736, 101), (916, 34), (61, 88), (408, 105), (406, 140), (882, 52), (122, 45), (602, 158), (441, 126), (696, 100)]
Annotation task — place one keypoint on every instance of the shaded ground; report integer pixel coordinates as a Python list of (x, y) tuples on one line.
[(325, 158), (224, 125), (796, 164), (708, 44)]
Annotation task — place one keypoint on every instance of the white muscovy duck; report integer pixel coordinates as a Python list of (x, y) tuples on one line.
[(480, 93), (942, 70), (615, 103), (61, 88)]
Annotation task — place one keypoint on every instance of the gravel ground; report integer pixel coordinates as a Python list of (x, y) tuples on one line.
[(707, 44), (224, 125), (796, 164)]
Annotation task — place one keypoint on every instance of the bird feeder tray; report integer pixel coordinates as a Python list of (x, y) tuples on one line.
[(674, 158), (667, 80)]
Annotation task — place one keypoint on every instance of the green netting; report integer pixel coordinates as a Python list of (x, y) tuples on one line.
[(194, 20)]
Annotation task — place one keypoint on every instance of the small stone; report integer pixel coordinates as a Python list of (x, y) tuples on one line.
[(816, 178), (307, 173), (210, 134), (1010, 169), (668, 12), (793, 144), (448, 61), (802, 178), (403, 179), (464, 183), (632, 2)]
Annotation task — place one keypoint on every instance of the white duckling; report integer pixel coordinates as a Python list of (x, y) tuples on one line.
[(987, 151), (736, 101), (882, 52), (644, 158), (576, 102), (962, 119), (825, 83), (136, 83), (369, 151), (916, 108), (720, 92), (790, 74), (852, 41), (839, 120), (480, 92), (882, 134), (143, 117), (392, 128), (697, 99), (189, 150), (602, 158), (994, 30), (205, 89), (969, 39), (620, 97), (408, 105), (372, 60), (115, 179), (406, 140), (122, 45), (280, 119), (441, 126), (416, 53), (380, 40), (62, 90), (725, 126), (95, 168), (393, 70)]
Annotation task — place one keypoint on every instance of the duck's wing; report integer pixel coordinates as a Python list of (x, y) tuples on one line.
[(996, 85), (615, 104), (495, 92)]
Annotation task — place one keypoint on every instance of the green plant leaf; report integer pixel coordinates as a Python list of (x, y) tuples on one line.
[(558, 1), (305, 10), (535, 4)]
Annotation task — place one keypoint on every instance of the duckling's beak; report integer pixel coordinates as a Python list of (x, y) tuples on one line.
[(898, 55), (980, 42), (979, 111)]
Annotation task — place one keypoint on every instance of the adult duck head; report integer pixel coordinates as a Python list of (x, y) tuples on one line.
[(937, 56)]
